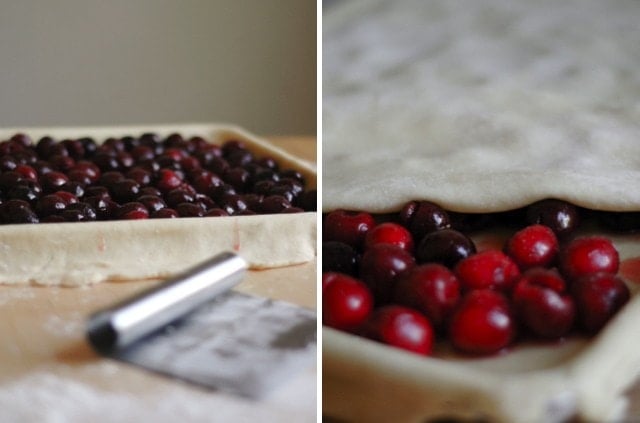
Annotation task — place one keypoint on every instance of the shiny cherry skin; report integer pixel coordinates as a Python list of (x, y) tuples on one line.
[(423, 217), (17, 211), (49, 205), (533, 246), (350, 227), (542, 303), (79, 212), (132, 211), (482, 323), (165, 213), (587, 255), (563, 218), (272, 204), (168, 180), (432, 289), (400, 327), (389, 233), (598, 298), (490, 269), (328, 277), (446, 246), (52, 181), (346, 302), (381, 266)]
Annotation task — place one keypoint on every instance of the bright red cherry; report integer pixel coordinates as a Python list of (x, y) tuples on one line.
[(400, 327), (587, 255), (389, 233), (349, 227), (381, 266), (598, 297), (535, 245), (488, 269), (542, 303), (432, 289), (482, 323), (346, 302), (328, 277)]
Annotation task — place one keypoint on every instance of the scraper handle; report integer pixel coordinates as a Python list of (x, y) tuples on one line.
[(118, 326)]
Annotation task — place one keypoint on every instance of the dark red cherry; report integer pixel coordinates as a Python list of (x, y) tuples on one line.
[(168, 180), (189, 210), (400, 327), (177, 196), (543, 304), (423, 217), (598, 298), (432, 289), (165, 213), (17, 211), (349, 227), (446, 246), (52, 181), (132, 211), (50, 204), (274, 204), (381, 267), (153, 203), (562, 217), (125, 190), (79, 212), (339, 257)]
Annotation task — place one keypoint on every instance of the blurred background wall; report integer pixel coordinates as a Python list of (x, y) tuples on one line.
[(92, 62)]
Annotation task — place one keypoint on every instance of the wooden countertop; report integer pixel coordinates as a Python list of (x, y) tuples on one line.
[(49, 373)]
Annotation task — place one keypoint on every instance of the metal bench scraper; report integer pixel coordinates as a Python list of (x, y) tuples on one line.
[(195, 328)]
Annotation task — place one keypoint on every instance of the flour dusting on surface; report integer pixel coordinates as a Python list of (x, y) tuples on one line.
[(49, 398)]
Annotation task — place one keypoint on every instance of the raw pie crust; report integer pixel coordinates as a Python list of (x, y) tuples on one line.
[(75, 254), (482, 107)]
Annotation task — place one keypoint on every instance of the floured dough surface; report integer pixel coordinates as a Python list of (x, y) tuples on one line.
[(481, 106), (75, 254)]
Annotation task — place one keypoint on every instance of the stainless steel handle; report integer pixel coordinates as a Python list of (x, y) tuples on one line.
[(118, 326)]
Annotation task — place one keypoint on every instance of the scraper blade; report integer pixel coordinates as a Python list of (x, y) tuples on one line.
[(231, 341)]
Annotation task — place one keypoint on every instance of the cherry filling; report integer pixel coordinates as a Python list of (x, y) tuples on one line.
[(426, 279), (140, 177)]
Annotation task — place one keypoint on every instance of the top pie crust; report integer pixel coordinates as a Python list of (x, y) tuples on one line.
[(481, 107), (75, 254)]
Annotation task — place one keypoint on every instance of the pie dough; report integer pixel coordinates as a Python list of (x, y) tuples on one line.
[(483, 106), (76, 254)]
